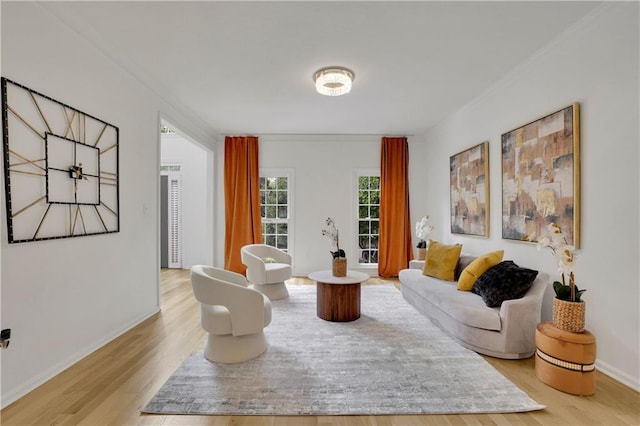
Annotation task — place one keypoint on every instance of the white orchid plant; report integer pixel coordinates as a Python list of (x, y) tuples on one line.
[(565, 256), (333, 234), (422, 230)]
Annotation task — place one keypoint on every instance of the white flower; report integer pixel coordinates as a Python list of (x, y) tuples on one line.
[(332, 233), (543, 242), (422, 229), (563, 252)]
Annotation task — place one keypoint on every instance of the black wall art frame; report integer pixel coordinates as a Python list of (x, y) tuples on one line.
[(61, 168)]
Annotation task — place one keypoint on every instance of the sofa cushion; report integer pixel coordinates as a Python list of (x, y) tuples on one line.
[(464, 306), (277, 272), (463, 262), (505, 281), (478, 267), (441, 260)]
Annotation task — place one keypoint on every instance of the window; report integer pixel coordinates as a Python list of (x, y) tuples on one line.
[(275, 209), (368, 217)]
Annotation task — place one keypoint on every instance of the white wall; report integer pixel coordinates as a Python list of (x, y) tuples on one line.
[(595, 64), (196, 201), (324, 185), (65, 298)]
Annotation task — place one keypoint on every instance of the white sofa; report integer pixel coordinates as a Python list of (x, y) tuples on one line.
[(506, 332)]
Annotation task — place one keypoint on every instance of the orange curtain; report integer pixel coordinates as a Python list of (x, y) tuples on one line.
[(395, 250), (241, 198)]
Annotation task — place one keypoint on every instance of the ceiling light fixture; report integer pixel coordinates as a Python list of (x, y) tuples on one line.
[(333, 81)]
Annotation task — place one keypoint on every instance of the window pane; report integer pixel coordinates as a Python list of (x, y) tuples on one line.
[(363, 212), (282, 212), (263, 183), (270, 240), (374, 227), (282, 183), (363, 182), (363, 197), (282, 242), (374, 256), (364, 227), (374, 182), (271, 183), (271, 212), (375, 212), (282, 197), (375, 197), (271, 197), (270, 228), (282, 228)]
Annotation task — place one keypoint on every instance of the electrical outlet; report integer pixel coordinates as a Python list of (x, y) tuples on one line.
[(5, 335)]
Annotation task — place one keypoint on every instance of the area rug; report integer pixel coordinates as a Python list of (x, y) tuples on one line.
[(392, 360)]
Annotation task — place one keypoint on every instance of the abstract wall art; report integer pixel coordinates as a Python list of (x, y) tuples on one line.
[(541, 177), (469, 197)]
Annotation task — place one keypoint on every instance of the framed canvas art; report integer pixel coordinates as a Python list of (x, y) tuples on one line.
[(469, 197), (541, 177)]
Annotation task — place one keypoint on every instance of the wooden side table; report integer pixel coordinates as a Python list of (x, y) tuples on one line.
[(338, 298), (565, 360)]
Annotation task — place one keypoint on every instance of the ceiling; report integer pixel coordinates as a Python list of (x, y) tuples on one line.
[(246, 67)]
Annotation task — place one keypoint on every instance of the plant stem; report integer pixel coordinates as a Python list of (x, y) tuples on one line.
[(572, 286)]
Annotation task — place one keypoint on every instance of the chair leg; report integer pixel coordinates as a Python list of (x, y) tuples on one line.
[(229, 349), (273, 291)]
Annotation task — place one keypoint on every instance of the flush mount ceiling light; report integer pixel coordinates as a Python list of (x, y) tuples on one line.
[(333, 81)]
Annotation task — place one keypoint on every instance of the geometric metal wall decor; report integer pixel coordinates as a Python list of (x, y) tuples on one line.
[(60, 168), (541, 177)]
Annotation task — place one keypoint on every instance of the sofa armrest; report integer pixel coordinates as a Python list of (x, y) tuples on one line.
[(521, 316)]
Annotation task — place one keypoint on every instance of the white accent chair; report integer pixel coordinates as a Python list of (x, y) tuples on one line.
[(267, 278), (233, 314)]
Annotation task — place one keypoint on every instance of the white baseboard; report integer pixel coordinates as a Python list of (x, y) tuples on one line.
[(621, 376), (17, 393)]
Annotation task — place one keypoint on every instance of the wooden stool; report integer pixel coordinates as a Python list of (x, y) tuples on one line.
[(565, 360)]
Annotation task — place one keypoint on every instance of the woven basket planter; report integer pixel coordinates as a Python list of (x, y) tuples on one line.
[(340, 267), (568, 316), (422, 253)]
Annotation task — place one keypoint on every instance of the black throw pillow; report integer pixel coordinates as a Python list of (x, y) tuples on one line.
[(505, 281)]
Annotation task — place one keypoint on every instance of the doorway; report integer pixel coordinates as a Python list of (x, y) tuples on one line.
[(170, 216), (186, 200)]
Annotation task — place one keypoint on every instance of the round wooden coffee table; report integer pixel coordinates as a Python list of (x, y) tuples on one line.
[(338, 298)]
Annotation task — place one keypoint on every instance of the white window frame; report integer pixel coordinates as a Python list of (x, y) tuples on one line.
[(289, 174), (356, 208)]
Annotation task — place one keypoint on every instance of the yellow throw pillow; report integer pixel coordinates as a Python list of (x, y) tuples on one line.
[(482, 264), (441, 260)]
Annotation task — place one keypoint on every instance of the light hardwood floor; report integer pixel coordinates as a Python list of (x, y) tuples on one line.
[(112, 384)]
